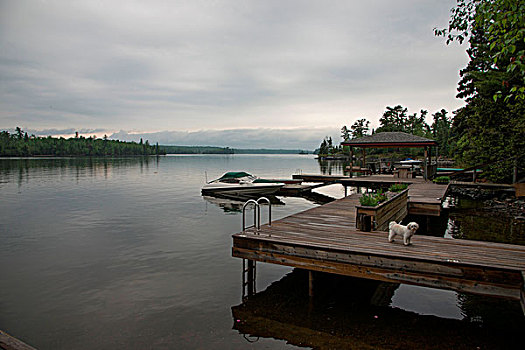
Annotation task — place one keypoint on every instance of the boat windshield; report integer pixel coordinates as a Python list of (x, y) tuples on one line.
[(236, 177)]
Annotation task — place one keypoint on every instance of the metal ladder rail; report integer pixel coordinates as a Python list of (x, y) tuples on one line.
[(249, 267), (264, 199)]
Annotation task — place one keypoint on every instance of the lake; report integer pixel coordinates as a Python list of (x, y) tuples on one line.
[(125, 253)]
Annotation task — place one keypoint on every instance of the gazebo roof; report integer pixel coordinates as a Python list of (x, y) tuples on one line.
[(390, 139)]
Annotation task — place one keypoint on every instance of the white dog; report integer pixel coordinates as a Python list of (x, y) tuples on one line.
[(406, 231)]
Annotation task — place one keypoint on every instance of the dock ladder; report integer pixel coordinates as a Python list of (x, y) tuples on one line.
[(249, 269)]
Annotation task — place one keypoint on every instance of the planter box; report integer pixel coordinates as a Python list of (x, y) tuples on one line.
[(394, 209)]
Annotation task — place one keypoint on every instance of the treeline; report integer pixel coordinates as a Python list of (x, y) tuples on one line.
[(270, 151), (20, 144), (226, 150), (196, 150), (398, 119)]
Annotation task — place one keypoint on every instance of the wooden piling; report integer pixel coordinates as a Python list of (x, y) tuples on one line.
[(310, 283), (251, 277)]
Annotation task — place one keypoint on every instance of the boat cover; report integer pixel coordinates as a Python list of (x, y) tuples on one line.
[(234, 175)]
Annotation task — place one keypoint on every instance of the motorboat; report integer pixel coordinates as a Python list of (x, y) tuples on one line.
[(240, 183)]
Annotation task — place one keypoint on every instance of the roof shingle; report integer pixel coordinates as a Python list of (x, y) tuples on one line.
[(390, 138)]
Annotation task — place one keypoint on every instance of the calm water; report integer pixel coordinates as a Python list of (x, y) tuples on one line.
[(125, 253)]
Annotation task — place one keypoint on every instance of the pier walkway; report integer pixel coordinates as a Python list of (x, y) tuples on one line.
[(325, 239), (425, 197)]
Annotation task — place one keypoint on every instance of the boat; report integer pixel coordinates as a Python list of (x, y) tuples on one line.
[(240, 183)]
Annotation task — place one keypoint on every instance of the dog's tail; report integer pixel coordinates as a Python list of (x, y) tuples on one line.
[(391, 224)]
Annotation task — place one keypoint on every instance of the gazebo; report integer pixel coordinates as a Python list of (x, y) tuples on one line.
[(395, 140)]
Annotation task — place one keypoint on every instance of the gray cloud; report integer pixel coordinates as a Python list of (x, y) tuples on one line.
[(193, 65), (59, 132), (237, 138)]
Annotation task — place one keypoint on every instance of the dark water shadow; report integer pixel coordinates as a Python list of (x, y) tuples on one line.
[(350, 313)]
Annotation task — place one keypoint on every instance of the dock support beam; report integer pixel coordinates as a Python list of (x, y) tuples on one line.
[(351, 160), (310, 283), (522, 292)]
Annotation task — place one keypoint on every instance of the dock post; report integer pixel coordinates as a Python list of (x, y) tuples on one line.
[(515, 171), (248, 278), (251, 277), (522, 292), (351, 160), (310, 283)]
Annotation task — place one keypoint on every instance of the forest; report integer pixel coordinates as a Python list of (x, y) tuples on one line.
[(398, 119), (20, 144)]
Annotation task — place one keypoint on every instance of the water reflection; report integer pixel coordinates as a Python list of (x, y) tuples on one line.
[(22, 170), (349, 313), (234, 206), (470, 220), (333, 166)]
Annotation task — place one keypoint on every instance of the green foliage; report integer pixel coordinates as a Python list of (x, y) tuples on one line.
[(442, 180), (373, 199), (397, 119), (486, 131), (20, 144), (397, 187), (491, 126), (368, 200), (360, 128), (500, 24), (327, 147), (441, 128)]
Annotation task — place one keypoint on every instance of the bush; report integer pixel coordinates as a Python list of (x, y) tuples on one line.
[(442, 180), (397, 187)]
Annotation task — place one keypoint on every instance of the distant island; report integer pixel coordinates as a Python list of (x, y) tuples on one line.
[(20, 144), (227, 150)]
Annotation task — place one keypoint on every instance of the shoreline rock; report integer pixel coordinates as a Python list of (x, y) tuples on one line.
[(500, 201)]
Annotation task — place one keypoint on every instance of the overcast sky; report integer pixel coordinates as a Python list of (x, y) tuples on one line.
[(194, 67)]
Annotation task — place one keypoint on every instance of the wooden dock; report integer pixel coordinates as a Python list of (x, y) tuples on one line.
[(325, 239), (424, 197), (319, 178), (8, 342)]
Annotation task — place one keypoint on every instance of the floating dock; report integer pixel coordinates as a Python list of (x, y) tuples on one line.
[(326, 239)]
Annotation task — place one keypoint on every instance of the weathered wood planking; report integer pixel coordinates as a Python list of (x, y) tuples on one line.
[(325, 239), (319, 177), (8, 342), (425, 197)]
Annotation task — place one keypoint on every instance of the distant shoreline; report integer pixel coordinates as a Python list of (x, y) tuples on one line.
[(169, 149)]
